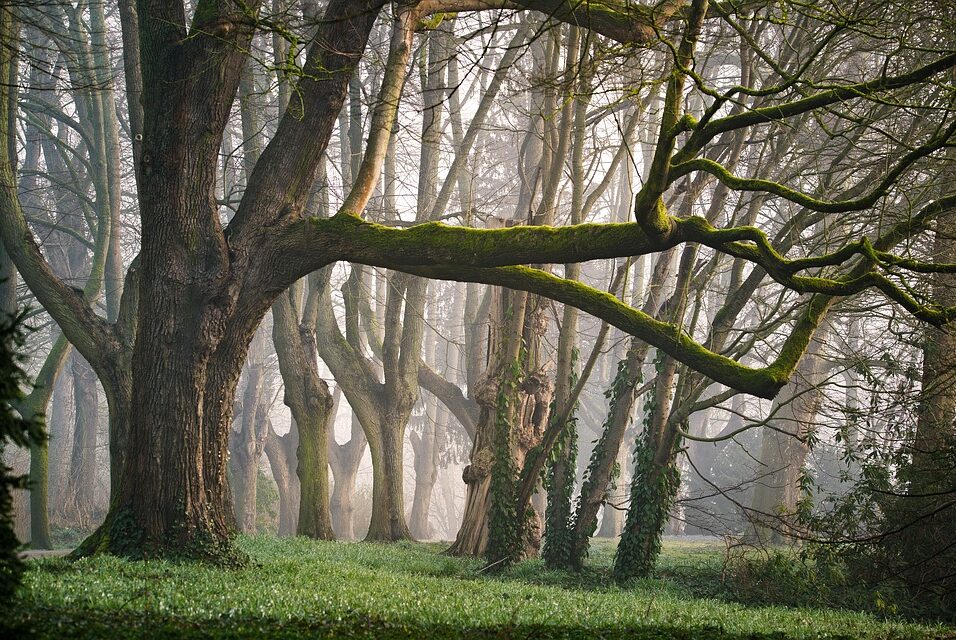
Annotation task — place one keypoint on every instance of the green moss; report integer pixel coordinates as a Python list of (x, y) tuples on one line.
[(799, 339), (120, 536), (357, 240)]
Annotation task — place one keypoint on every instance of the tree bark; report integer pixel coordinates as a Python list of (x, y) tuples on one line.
[(280, 450), (82, 479), (783, 451), (345, 459)]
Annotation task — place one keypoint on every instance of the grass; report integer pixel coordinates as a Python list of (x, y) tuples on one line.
[(302, 588)]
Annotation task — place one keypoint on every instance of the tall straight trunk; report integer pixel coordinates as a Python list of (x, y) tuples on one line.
[(783, 450), (612, 517), (247, 444), (926, 508), (425, 448), (60, 434), (561, 474), (388, 489), (345, 460), (109, 153), (82, 480), (281, 452)]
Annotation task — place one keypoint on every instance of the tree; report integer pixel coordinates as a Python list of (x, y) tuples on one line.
[(198, 290)]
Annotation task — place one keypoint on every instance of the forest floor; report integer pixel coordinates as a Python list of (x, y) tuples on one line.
[(302, 588)]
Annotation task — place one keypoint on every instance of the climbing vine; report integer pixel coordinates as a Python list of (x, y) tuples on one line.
[(624, 381), (504, 529), (654, 488), (558, 481)]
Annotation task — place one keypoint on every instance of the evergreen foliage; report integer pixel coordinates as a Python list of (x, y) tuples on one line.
[(19, 432)]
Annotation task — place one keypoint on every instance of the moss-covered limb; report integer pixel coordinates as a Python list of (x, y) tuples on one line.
[(762, 115), (625, 22), (819, 305), (765, 382), (665, 336), (317, 241), (782, 270), (826, 206), (918, 222)]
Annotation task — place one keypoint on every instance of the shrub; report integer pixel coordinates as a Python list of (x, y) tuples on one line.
[(19, 432)]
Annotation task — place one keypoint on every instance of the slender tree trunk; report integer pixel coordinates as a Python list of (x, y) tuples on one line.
[(82, 479), (60, 433), (345, 460), (783, 450), (248, 443), (425, 447), (281, 452)]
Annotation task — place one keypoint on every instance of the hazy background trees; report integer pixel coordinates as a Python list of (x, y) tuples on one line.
[(377, 404)]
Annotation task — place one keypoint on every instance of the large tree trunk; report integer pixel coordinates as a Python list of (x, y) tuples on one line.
[(388, 486), (926, 511), (515, 426), (203, 292), (315, 516)]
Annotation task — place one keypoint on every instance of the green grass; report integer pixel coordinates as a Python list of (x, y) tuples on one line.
[(303, 588)]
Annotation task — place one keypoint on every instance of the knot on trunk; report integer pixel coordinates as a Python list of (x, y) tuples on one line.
[(479, 468), (538, 322), (536, 383), (486, 391)]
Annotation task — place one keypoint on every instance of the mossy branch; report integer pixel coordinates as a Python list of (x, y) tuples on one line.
[(665, 336)]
